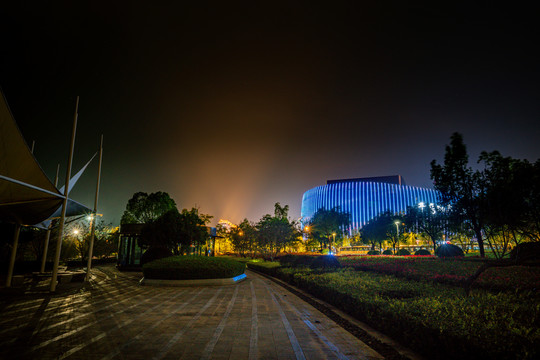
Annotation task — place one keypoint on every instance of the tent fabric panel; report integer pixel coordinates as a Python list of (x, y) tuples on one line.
[(29, 213), (16, 159)]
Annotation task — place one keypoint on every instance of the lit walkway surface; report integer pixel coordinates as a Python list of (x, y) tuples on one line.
[(115, 318)]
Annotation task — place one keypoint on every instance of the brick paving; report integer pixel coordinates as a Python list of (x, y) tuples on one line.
[(113, 317)]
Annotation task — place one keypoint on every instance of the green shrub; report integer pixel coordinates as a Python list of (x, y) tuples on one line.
[(403, 252), (387, 252), (154, 253), (422, 252), (374, 252), (287, 260), (526, 251), (325, 262), (449, 250), (303, 260), (192, 267)]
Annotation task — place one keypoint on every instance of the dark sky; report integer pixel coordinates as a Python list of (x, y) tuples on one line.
[(233, 107)]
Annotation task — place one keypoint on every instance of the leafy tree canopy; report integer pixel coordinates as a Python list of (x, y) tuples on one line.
[(143, 207), (325, 223)]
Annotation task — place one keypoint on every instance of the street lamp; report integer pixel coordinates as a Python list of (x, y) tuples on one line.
[(397, 227)]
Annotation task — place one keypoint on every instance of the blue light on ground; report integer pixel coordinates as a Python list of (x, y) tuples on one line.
[(239, 277)]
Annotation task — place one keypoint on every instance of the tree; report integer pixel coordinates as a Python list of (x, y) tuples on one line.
[(380, 229), (193, 230), (327, 224), (462, 189), (176, 231), (78, 238), (430, 221), (276, 232), (243, 238), (163, 232), (142, 207)]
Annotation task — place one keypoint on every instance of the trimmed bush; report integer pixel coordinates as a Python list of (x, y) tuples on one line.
[(403, 252), (449, 250), (422, 252), (325, 262), (526, 251), (387, 252), (192, 267), (155, 253), (303, 260), (374, 252), (287, 260), (296, 260)]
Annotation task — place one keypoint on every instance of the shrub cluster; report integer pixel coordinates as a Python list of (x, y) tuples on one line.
[(374, 252), (192, 267), (403, 252), (526, 251), (387, 252), (325, 262), (296, 260), (448, 251), (155, 253), (422, 252)]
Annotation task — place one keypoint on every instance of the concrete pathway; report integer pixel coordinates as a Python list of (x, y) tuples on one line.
[(115, 318)]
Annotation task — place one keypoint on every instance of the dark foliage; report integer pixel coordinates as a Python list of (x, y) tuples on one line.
[(449, 250), (373, 252), (526, 252), (155, 253), (387, 252), (403, 252), (422, 252), (325, 262)]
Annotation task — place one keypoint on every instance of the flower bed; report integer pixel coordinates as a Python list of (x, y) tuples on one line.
[(448, 271), (434, 319)]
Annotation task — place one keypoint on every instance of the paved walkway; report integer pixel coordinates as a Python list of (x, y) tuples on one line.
[(115, 318)]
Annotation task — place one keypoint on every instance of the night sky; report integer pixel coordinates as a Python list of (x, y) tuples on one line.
[(232, 107)]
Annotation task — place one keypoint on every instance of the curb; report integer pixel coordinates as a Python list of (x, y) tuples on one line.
[(193, 282)]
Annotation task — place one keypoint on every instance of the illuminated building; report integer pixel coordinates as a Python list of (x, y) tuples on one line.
[(365, 198)]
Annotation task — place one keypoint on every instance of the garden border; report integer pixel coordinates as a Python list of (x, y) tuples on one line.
[(193, 282)]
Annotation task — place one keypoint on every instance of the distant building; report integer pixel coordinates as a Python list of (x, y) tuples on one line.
[(365, 198)]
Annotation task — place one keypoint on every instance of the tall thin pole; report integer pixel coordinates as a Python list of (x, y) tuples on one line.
[(13, 254), (48, 236), (94, 215), (64, 204)]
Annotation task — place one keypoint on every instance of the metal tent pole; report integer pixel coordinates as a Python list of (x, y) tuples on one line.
[(48, 236), (13, 254), (94, 215), (64, 204)]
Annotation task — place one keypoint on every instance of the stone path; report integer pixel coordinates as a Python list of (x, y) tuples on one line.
[(115, 318)]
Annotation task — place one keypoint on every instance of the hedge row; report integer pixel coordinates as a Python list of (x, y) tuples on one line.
[(434, 319), (192, 267)]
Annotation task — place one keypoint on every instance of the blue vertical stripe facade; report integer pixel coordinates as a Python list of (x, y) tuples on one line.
[(364, 200)]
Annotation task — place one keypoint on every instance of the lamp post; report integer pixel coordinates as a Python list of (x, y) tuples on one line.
[(397, 231), (333, 242)]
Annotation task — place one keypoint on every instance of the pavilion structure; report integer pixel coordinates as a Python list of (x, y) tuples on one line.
[(27, 196)]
